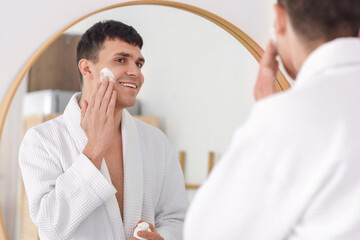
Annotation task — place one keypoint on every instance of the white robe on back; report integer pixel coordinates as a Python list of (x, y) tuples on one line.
[(292, 170), (70, 198)]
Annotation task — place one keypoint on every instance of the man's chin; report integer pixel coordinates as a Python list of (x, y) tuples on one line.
[(121, 105)]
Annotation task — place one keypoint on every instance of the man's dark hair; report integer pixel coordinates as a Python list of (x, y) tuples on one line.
[(92, 40), (323, 19)]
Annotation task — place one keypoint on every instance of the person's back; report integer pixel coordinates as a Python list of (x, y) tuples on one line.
[(291, 171)]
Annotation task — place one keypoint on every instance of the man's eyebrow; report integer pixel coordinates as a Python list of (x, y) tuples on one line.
[(124, 54)]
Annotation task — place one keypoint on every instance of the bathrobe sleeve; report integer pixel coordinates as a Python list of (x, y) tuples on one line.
[(59, 200), (173, 203)]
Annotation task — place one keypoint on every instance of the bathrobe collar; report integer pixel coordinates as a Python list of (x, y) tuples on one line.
[(72, 117), (341, 51), (133, 168)]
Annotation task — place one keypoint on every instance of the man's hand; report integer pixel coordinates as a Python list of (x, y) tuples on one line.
[(153, 235), (97, 120), (265, 83)]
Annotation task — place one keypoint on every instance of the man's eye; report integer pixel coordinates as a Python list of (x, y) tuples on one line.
[(139, 64), (120, 60)]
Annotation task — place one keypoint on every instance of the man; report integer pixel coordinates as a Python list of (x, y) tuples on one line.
[(292, 170), (95, 171)]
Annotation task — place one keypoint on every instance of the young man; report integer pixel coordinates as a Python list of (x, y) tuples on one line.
[(292, 171), (95, 171)]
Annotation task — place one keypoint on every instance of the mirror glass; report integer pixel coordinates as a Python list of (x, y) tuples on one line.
[(198, 84), (198, 78)]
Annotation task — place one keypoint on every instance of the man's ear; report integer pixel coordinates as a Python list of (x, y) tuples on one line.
[(84, 68), (280, 19)]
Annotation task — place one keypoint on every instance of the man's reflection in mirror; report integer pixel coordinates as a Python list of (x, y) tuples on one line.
[(95, 172)]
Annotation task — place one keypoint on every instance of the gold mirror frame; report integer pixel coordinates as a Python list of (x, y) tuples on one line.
[(243, 38)]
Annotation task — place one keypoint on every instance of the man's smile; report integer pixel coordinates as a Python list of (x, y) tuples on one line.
[(131, 85)]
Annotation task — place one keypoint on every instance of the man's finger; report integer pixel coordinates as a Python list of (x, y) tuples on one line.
[(265, 83), (148, 235), (83, 109), (107, 97), (105, 78), (151, 227), (111, 106), (276, 64), (93, 95), (100, 94), (269, 57)]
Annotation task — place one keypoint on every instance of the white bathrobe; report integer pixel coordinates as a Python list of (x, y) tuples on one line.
[(292, 170), (70, 198)]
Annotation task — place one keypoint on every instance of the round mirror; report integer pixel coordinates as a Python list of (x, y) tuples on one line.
[(198, 87)]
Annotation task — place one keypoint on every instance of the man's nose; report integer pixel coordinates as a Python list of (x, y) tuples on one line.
[(133, 70)]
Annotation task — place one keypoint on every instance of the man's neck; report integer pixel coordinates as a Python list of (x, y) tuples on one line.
[(117, 118), (302, 51)]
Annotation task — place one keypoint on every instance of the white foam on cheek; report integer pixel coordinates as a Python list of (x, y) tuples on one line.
[(105, 72)]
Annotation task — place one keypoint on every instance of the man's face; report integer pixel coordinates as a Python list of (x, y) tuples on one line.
[(125, 61)]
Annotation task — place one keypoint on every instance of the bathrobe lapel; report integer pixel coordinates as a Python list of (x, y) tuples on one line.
[(112, 208), (72, 117), (133, 173)]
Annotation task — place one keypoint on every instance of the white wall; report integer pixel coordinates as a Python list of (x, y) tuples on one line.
[(9, 167)]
